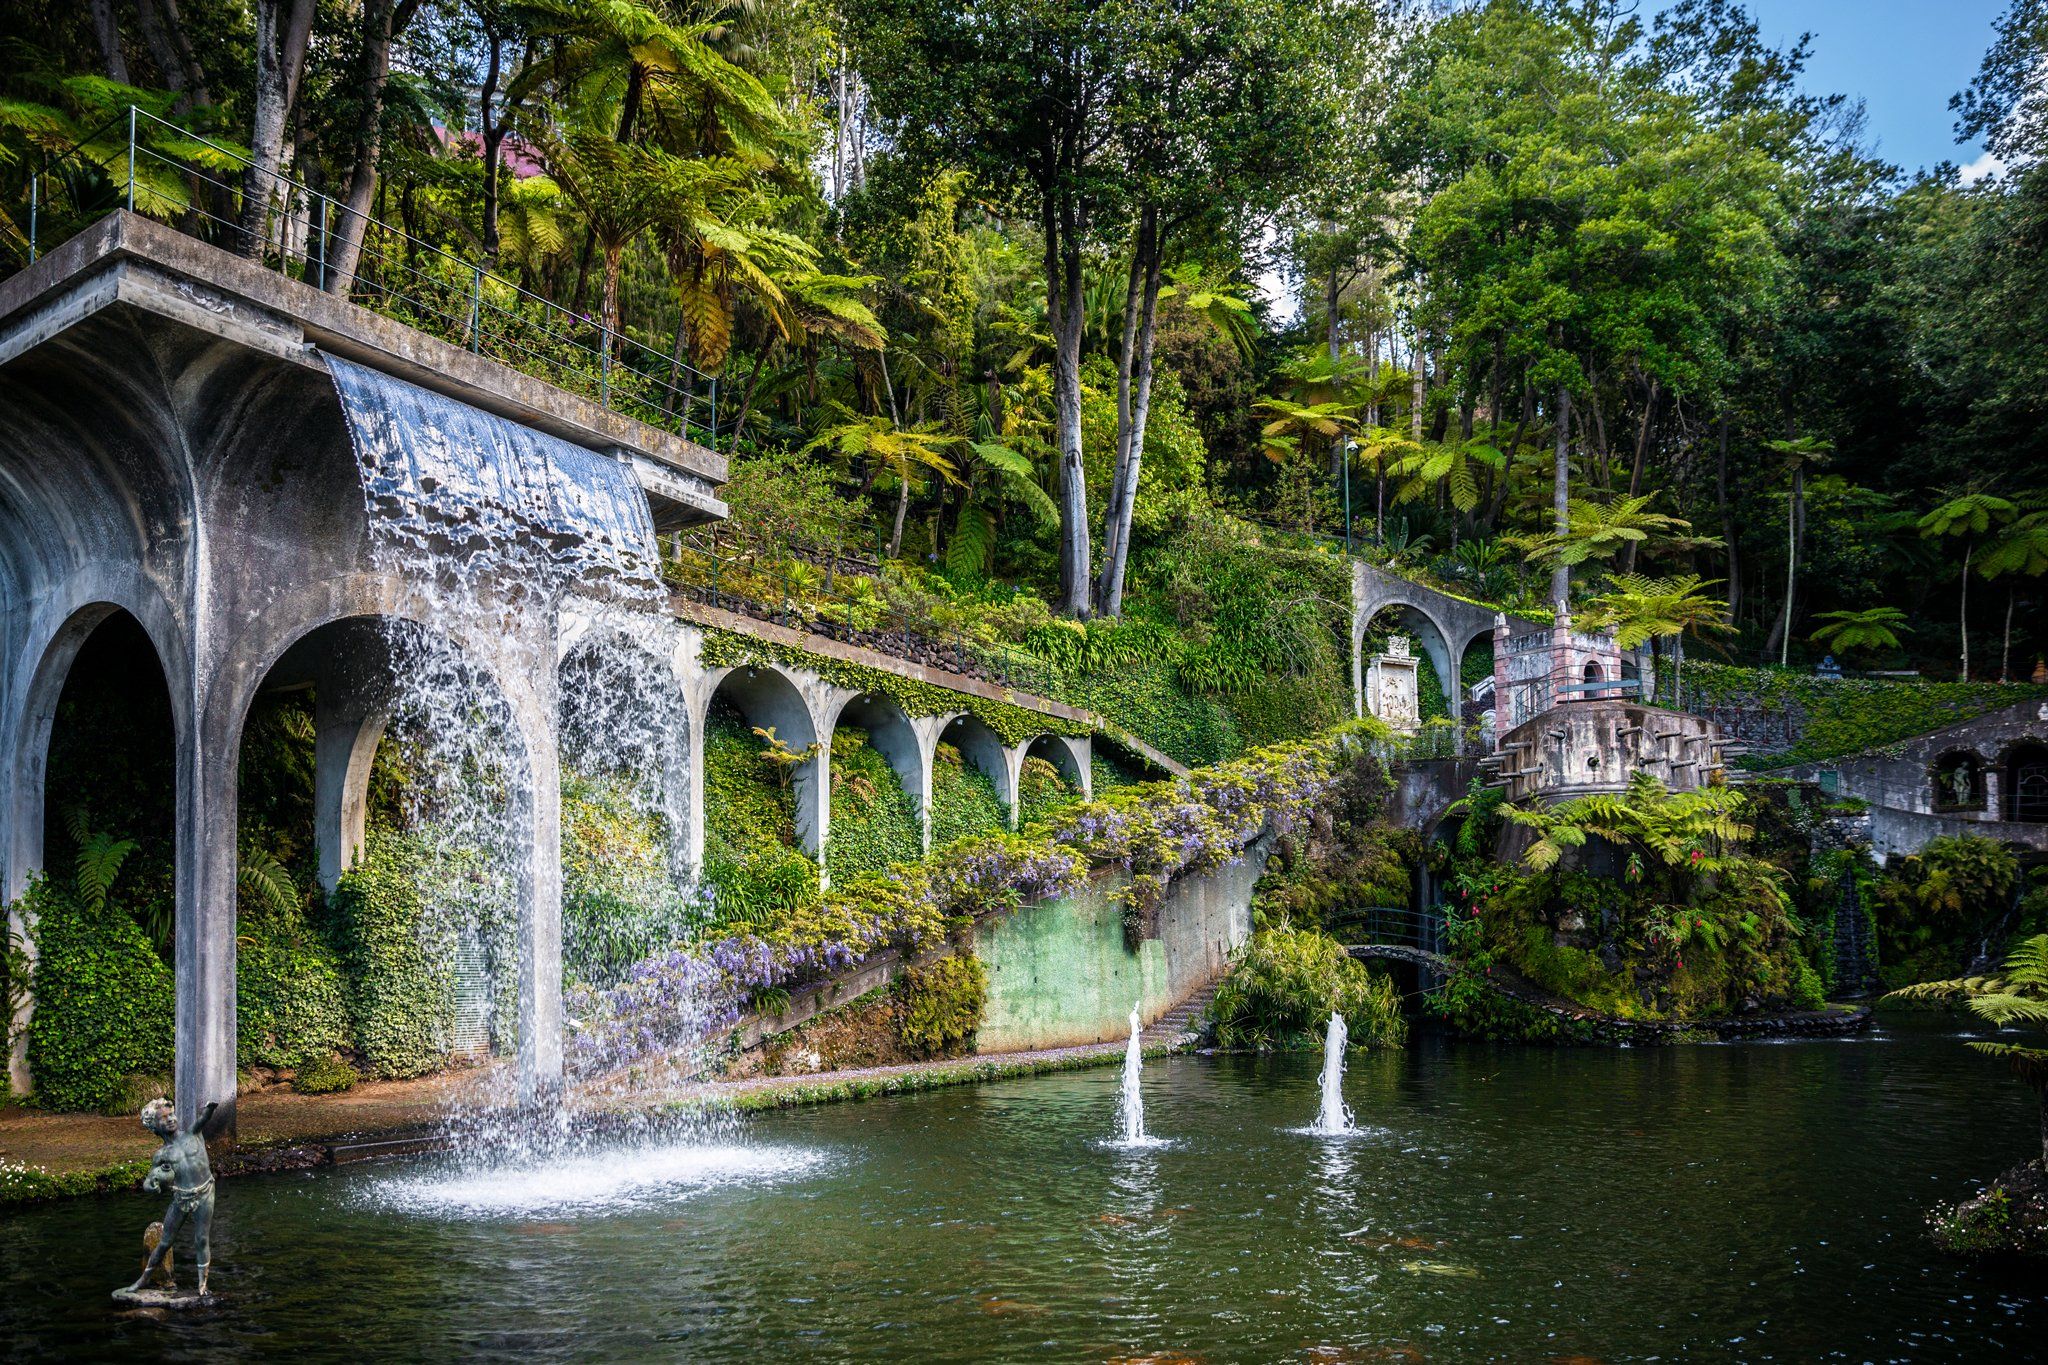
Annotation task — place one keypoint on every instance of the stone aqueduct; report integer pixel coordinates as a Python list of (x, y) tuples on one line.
[(174, 450)]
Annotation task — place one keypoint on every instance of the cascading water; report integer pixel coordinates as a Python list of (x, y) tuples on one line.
[(1334, 1118), (487, 526), (1131, 1103)]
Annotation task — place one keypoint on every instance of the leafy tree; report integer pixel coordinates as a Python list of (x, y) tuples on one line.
[(1967, 516)]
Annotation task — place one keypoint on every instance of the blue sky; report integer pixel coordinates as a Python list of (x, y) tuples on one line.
[(1904, 58)]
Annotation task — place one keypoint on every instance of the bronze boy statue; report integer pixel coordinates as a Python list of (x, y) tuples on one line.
[(181, 1166)]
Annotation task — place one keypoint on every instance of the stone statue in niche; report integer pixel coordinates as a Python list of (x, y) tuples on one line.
[(182, 1167), (1390, 687), (1960, 780)]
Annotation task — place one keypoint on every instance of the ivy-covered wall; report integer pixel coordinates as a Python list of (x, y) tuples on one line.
[(964, 799), (754, 867), (401, 1001), (874, 822), (1791, 717)]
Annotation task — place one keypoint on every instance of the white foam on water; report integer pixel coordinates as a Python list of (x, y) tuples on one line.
[(592, 1182)]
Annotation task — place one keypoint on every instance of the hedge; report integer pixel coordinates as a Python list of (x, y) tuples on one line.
[(401, 1001), (105, 1002)]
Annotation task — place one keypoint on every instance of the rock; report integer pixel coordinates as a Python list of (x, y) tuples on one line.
[(173, 1299)]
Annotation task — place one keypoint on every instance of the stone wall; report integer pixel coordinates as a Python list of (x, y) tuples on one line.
[(1059, 974)]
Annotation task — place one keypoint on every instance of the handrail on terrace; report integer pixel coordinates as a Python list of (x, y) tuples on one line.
[(397, 274)]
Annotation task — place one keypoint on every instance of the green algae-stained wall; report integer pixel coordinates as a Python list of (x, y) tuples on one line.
[(1059, 974)]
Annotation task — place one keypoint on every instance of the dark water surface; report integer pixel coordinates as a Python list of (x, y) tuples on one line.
[(1754, 1202)]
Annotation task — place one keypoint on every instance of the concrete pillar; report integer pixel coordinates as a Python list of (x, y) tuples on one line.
[(812, 782), (205, 932), (346, 731), (1454, 691)]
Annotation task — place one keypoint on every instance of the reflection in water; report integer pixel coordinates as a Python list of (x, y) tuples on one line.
[(1759, 1203)]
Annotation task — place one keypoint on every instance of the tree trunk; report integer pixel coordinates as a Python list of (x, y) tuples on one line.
[(282, 30), (106, 29), (1727, 519), (1792, 518), (1963, 616), (1635, 473), (493, 136), (2005, 647), (1560, 495), (1134, 406), (1060, 219), (163, 32), (1418, 389), (902, 510), (747, 400), (381, 22)]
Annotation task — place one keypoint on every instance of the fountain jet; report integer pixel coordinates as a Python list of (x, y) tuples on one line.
[(1131, 1107), (1334, 1119)]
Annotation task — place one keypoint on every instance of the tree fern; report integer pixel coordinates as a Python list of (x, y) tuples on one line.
[(2016, 997)]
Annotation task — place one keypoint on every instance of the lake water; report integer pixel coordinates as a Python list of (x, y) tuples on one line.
[(1750, 1202)]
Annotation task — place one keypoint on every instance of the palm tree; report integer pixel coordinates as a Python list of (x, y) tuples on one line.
[(615, 186), (1446, 465), (1968, 515), (2020, 548), (1871, 628), (1799, 454), (1291, 422), (1639, 609), (903, 455), (2017, 997), (1600, 530)]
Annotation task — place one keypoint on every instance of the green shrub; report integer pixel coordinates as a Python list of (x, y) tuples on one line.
[(401, 1002), (619, 901), (874, 822), (753, 866), (964, 799), (104, 1001), (1282, 990), (1978, 1227), (1041, 790), (1934, 906), (290, 1000), (324, 1075), (941, 1004)]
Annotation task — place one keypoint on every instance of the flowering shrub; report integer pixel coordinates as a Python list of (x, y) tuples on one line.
[(1155, 832)]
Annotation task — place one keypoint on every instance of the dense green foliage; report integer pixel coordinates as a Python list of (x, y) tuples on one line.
[(290, 991), (401, 998), (619, 900), (874, 821), (103, 1001), (964, 799), (1285, 985), (1934, 909), (752, 863), (941, 1004)]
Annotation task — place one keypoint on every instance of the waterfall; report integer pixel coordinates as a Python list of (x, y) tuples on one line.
[(501, 535), (1131, 1105), (1334, 1118)]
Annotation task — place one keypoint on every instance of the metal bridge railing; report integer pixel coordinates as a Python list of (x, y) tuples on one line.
[(202, 188), (1389, 924)]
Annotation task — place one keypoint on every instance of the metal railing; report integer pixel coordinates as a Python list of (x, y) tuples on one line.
[(1392, 924), (202, 188)]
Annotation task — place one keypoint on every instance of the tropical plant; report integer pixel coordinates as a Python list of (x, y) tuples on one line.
[(2015, 997), (1638, 609), (2019, 549), (1968, 515), (903, 455), (1799, 454), (1871, 628), (1694, 831)]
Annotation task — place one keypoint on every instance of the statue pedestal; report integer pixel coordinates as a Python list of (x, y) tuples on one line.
[(165, 1298)]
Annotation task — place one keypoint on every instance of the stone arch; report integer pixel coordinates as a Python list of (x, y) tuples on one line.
[(622, 709), (46, 668), (771, 699), (1069, 757), (2023, 782), (897, 739), (983, 749), (1444, 647)]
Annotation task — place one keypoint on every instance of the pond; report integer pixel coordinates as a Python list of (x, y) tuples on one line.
[(1754, 1202)]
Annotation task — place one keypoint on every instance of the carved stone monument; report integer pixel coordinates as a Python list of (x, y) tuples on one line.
[(1390, 687)]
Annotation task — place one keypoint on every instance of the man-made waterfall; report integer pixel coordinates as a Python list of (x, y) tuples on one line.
[(1334, 1118), (518, 554)]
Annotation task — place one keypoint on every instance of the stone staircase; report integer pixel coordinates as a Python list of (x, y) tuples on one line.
[(1181, 1026)]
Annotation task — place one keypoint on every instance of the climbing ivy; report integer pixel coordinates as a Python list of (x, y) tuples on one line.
[(753, 865), (941, 1004), (964, 799), (401, 1001), (729, 649), (104, 1001), (874, 822), (290, 997)]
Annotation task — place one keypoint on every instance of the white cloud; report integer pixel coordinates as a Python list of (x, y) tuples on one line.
[(1983, 168)]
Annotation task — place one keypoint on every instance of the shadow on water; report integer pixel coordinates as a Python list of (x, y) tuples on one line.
[(1746, 1202)]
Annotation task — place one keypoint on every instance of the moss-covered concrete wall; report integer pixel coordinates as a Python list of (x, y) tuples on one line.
[(1059, 974)]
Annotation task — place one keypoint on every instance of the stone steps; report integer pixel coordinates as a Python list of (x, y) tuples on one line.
[(1182, 1024)]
